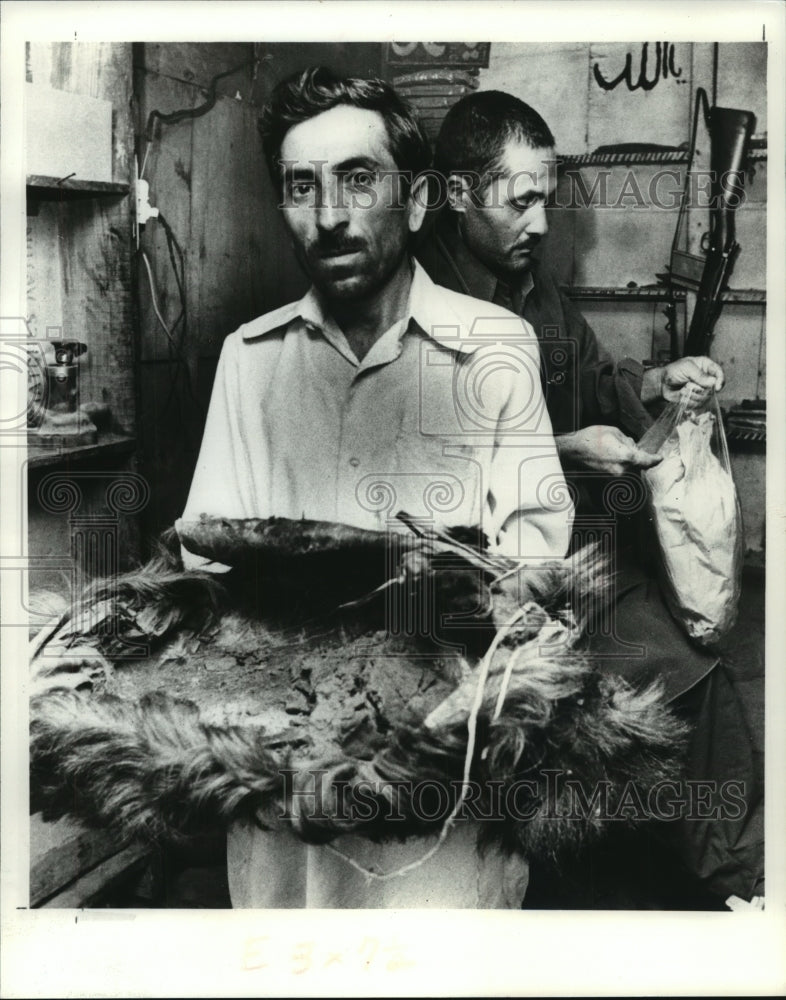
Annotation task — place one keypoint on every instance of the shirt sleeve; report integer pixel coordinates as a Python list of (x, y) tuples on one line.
[(220, 485), (531, 511)]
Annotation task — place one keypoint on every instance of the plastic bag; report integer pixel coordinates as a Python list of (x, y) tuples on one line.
[(697, 518)]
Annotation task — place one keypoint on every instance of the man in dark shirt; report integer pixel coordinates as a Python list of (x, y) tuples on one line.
[(496, 159), (496, 155)]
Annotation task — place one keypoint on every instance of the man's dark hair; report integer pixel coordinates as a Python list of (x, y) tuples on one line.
[(316, 89), (477, 129)]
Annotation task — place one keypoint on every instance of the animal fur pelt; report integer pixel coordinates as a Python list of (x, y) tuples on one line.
[(160, 766)]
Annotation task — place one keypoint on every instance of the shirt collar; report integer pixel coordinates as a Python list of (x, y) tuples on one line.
[(473, 275), (430, 307)]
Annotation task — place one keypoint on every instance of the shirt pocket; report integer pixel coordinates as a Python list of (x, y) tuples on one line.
[(441, 479)]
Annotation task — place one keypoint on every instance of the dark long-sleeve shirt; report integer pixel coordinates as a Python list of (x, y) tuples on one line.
[(583, 385)]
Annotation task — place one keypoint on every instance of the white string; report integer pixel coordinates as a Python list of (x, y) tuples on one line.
[(373, 593), (472, 723), (512, 660)]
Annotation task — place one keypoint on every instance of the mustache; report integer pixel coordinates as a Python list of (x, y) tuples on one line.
[(331, 245)]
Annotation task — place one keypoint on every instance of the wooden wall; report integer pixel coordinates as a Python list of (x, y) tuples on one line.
[(631, 244), (208, 178), (79, 252), (79, 286), (624, 244)]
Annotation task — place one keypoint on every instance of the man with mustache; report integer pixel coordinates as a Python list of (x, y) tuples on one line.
[(360, 376), (496, 161), (363, 381)]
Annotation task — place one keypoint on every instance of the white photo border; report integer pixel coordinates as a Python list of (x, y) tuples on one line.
[(70, 953)]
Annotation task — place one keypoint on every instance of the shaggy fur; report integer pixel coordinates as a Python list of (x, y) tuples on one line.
[(156, 769)]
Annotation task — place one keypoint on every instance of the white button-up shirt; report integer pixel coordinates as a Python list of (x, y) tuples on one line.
[(443, 418)]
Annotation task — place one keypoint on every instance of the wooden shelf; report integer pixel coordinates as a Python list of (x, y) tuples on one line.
[(745, 296), (653, 292), (47, 188), (657, 293), (107, 446), (629, 158), (626, 158)]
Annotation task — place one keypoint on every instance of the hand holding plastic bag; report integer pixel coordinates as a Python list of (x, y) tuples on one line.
[(696, 513)]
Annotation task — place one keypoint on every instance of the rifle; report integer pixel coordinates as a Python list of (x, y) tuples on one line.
[(730, 133)]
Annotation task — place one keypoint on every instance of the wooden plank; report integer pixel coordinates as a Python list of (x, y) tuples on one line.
[(108, 445), (93, 238), (92, 887), (44, 273), (245, 265), (219, 225), (744, 296), (168, 171), (171, 429), (196, 63), (278, 60), (218, 206), (39, 186), (95, 259), (48, 549), (62, 851), (80, 278), (95, 69)]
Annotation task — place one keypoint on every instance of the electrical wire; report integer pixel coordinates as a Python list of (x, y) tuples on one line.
[(175, 339), (171, 344), (172, 117), (173, 245), (180, 277), (154, 300), (176, 255), (144, 159), (176, 353)]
